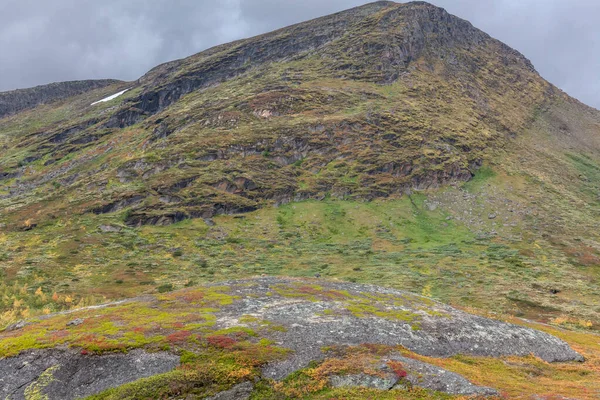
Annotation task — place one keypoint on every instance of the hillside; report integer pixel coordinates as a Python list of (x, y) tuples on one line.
[(390, 144), (23, 99)]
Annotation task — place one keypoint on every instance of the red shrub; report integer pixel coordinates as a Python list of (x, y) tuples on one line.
[(193, 297), (178, 337), (398, 369), (223, 342), (314, 291), (58, 335)]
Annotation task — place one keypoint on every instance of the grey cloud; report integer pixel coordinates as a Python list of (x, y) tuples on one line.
[(47, 41), (562, 38)]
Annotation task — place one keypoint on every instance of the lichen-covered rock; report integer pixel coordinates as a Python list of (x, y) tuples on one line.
[(430, 377), (73, 375), (398, 372), (306, 319), (238, 392), (319, 313), (385, 382)]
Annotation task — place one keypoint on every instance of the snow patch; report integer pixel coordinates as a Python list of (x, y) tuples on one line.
[(109, 98)]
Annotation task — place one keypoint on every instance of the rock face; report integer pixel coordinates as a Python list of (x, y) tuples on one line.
[(319, 314), (22, 99), (430, 377), (238, 392), (74, 375), (422, 32)]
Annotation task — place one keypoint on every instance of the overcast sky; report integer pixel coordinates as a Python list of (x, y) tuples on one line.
[(43, 41)]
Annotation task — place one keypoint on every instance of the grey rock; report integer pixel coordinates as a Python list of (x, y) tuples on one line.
[(79, 375), (424, 326), (442, 330), (109, 228), (75, 322), (419, 374), (16, 326), (432, 206), (430, 377), (209, 222), (238, 392), (364, 380)]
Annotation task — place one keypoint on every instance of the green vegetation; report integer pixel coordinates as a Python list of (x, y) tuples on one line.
[(34, 391)]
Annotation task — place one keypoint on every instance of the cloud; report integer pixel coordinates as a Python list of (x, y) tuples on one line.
[(48, 41), (561, 38)]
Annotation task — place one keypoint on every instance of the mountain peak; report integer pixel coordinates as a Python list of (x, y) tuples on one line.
[(382, 38)]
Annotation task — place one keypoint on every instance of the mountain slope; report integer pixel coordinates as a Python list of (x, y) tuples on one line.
[(18, 100), (374, 102), (254, 126)]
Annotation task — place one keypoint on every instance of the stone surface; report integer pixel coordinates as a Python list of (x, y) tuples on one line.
[(418, 374), (238, 392), (311, 314), (109, 228), (364, 380), (434, 378), (75, 322), (436, 330), (79, 375)]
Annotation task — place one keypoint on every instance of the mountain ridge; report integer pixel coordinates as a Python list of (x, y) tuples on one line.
[(17, 100)]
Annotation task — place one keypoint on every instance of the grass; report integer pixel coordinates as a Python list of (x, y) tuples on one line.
[(399, 243)]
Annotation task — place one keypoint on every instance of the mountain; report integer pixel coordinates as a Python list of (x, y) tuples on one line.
[(381, 78), (390, 144), (18, 100)]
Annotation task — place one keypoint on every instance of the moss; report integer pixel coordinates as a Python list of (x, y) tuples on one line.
[(35, 390), (193, 379), (237, 330), (363, 309)]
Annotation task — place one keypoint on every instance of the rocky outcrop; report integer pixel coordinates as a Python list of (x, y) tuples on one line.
[(382, 316), (318, 321), (118, 205), (427, 376), (411, 373), (72, 375), (22, 99), (238, 392)]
